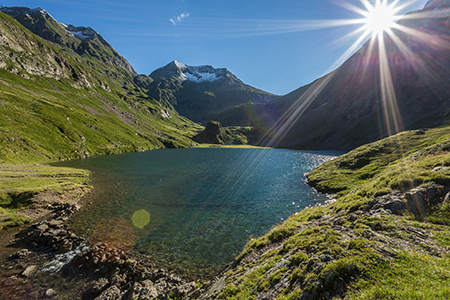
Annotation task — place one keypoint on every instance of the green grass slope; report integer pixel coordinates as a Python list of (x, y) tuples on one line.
[(55, 105), (386, 236), (20, 184)]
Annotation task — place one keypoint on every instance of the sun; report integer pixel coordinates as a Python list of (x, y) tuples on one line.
[(380, 18)]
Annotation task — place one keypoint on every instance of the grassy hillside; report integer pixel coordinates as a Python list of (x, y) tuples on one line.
[(68, 99), (59, 105), (385, 237)]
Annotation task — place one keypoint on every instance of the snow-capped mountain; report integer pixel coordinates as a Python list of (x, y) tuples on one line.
[(198, 92), (192, 73)]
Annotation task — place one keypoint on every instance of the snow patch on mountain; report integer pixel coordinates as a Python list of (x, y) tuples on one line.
[(200, 77), (81, 33), (198, 73), (179, 65), (78, 34), (195, 74)]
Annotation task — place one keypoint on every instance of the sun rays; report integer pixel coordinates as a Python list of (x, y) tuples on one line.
[(385, 39)]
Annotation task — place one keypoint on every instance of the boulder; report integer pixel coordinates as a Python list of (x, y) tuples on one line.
[(111, 293), (391, 203), (29, 271), (50, 293)]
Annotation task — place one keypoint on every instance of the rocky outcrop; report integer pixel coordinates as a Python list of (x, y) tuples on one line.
[(214, 133)]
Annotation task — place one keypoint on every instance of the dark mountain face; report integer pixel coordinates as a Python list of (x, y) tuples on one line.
[(84, 41), (199, 92), (349, 107)]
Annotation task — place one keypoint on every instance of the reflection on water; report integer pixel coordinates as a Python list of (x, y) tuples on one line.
[(194, 209)]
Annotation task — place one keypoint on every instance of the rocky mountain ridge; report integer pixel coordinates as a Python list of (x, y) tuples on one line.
[(199, 92)]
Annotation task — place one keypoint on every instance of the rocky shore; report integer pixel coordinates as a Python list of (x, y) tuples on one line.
[(114, 273)]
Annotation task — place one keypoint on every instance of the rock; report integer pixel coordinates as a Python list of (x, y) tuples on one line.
[(420, 200), (21, 254), (215, 289), (50, 293), (420, 132), (29, 271), (143, 291), (440, 168), (447, 198), (119, 280), (55, 223), (111, 293), (392, 203), (65, 246), (99, 286), (35, 235), (42, 227), (183, 290)]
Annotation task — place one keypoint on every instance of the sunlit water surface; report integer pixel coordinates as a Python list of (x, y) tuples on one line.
[(203, 204)]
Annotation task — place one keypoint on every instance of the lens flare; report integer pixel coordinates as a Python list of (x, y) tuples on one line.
[(140, 218), (380, 18), (385, 40)]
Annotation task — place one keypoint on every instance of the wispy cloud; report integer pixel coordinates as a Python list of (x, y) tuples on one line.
[(177, 19)]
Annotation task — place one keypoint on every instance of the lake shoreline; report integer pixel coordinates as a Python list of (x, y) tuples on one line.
[(96, 258), (29, 250)]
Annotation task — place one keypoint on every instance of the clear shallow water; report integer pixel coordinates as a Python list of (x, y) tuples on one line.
[(204, 203)]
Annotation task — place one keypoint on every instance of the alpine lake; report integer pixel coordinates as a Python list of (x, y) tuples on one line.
[(192, 211)]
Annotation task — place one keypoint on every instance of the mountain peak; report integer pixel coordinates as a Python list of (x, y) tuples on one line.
[(198, 74), (41, 23), (179, 65), (15, 11)]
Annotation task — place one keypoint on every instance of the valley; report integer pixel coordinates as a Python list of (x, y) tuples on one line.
[(219, 190)]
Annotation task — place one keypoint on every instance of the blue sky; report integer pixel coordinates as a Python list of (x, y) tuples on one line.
[(273, 45)]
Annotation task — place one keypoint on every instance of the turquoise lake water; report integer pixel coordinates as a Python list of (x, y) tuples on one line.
[(202, 204)]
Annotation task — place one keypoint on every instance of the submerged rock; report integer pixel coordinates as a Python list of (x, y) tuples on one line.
[(50, 293)]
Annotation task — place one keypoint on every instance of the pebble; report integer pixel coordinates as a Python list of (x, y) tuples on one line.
[(50, 293)]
